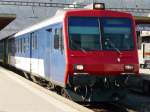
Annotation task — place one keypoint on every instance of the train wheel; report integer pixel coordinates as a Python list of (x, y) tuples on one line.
[(50, 86), (65, 94)]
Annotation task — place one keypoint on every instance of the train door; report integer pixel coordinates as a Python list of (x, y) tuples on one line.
[(34, 61), (57, 55)]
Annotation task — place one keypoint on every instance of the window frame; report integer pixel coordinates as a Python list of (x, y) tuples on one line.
[(101, 33)]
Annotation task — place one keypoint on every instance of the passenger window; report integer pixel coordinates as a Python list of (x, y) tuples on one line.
[(21, 45), (27, 43), (24, 45), (18, 45), (34, 40)]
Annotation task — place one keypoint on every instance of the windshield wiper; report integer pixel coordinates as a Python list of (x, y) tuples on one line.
[(113, 46), (76, 45)]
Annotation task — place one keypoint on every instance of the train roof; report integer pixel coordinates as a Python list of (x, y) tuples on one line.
[(58, 17)]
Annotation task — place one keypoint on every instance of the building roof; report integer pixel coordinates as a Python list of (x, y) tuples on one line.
[(5, 19), (142, 20)]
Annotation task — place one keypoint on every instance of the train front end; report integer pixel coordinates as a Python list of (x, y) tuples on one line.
[(101, 53)]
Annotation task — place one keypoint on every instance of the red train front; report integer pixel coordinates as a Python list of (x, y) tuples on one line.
[(101, 53)]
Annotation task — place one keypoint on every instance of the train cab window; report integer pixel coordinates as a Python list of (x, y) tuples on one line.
[(56, 39), (117, 34), (60, 34), (84, 33), (61, 40)]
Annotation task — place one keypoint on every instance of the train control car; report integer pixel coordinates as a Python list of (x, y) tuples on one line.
[(87, 54)]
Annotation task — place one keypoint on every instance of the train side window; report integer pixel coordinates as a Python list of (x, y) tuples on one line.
[(32, 40), (24, 45), (27, 43), (16, 43), (14, 46), (21, 45), (56, 39), (35, 41), (19, 41)]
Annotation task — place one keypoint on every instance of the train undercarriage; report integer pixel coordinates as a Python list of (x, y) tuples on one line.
[(86, 88), (90, 89)]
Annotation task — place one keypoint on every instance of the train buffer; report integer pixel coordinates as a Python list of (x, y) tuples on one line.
[(20, 95)]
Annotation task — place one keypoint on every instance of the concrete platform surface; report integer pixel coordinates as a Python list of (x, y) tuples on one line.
[(20, 95)]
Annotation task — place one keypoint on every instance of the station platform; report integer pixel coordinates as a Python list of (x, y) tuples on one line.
[(20, 95)]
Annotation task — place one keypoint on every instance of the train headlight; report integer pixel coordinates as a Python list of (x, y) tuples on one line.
[(128, 67), (79, 67), (99, 6)]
